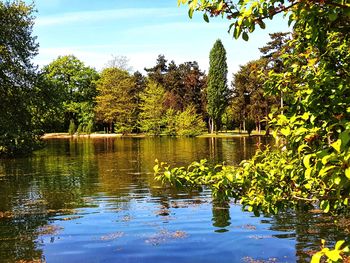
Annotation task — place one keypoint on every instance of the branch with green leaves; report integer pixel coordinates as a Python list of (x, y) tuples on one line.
[(247, 14)]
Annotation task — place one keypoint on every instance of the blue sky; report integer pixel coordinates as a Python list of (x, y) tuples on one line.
[(138, 29)]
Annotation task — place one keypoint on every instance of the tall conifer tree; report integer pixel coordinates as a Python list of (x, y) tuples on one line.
[(217, 91)]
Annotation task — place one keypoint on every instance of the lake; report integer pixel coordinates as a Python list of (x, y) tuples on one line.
[(95, 200)]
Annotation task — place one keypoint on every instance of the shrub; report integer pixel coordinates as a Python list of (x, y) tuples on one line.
[(189, 123), (71, 129), (80, 129), (170, 122), (89, 128)]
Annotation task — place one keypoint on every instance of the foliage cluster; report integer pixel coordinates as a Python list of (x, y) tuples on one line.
[(314, 69), (75, 90), (20, 128), (154, 119), (312, 163)]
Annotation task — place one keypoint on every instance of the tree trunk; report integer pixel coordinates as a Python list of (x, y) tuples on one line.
[(211, 125), (282, 105)]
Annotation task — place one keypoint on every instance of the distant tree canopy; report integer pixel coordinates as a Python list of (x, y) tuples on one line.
[(157, 72), (19, 130)]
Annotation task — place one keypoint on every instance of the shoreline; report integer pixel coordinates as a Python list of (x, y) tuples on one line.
[(119, 135)]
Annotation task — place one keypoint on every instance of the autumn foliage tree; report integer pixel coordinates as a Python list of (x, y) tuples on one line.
[(184, 84), (113, 103)]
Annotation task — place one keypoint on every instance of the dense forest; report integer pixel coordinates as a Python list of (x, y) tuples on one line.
[(170, 99)]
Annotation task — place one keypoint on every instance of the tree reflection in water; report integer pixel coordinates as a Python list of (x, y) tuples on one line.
[(112, 180)]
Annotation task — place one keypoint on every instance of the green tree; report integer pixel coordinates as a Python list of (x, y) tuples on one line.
[(19, 133), (173, 85), (249, 100), (274, 52), (75, 86), (184, 84), (114, 103), (135, 93), (217, 90), (274, 49), (157, 72), (151, 116), (48, 106)]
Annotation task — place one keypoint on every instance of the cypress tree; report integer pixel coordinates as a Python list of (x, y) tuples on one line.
[(217, 91)]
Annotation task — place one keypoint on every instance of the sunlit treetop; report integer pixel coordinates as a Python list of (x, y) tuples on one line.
[(247, 14)]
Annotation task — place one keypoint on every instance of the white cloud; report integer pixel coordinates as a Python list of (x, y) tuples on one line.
[(178, 27), (91, 16)]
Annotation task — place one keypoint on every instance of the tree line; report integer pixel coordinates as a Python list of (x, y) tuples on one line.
[(170, 99)]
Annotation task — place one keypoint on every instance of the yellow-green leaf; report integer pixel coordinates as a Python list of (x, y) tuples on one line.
[(316, 258), (305, 116), (347, 172), (339, 244), (285, 131), (230, 177), (337, 180), (306, 160), (336, 145), (333, 255)]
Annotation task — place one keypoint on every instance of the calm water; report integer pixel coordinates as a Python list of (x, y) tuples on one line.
[(96, 201)]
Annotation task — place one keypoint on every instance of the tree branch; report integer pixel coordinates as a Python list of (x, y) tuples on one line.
[(338, 5)]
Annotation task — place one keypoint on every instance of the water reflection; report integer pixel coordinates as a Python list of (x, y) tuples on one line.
[(69, 199), (221, 215)]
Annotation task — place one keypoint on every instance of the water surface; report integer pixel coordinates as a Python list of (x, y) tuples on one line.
[(95, 200)]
